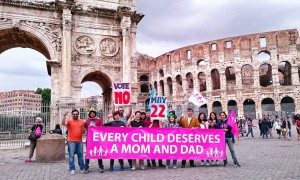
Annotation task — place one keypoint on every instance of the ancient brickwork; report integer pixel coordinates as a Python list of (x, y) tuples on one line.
[(256, 74)]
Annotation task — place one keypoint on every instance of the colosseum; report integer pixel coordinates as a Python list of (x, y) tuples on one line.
[(254, 74)]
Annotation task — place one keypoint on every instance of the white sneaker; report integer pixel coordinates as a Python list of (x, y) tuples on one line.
[(72, 172), (217, 162), (207, 163), (174, 167), (143, 168), (167, 167), (133, 168), (202, 164)]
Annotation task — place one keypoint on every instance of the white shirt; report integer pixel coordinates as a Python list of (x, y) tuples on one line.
[(189, 120)]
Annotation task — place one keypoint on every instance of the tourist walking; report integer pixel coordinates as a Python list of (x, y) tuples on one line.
[(250, 128), (222, 124), (265, 128), (35, 132), (277, 126), (298, 127), (284, 128), (93, 121), (75, 130)]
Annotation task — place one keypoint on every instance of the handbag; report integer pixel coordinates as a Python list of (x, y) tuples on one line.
[(32, 137)]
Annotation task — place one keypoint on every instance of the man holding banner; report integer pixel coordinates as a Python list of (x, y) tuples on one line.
[(188, 122)]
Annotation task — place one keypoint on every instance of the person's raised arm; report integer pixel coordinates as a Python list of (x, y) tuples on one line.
[(63, 122), (130, 112)]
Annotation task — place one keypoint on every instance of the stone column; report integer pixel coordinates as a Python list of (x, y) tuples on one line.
[(196, 82), (184, 84), (126, 48), (223, 82), (258, 108), (166, 88), (208, 82), (66, 54), (295, 75)]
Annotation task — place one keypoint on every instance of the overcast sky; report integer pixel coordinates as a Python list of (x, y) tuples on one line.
[(167, 25)]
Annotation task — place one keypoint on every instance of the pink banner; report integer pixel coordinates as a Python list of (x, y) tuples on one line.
[(155, 143), (232, 122)]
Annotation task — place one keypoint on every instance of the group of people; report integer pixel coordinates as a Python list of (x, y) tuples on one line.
[(268, 124), (76, 127)]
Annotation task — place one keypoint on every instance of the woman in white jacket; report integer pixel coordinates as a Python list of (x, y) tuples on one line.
[(277, 126)]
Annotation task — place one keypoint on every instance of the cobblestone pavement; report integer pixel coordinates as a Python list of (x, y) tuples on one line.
[(259, 158)]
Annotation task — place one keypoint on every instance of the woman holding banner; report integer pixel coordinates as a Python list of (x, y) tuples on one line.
[(222, 124)]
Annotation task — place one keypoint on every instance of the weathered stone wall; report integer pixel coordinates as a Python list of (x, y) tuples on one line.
[(257, 71)]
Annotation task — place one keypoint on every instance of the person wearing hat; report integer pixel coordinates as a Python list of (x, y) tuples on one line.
[(188, 122), (116, 123), (33, 130), (171, 124), (93, 121)]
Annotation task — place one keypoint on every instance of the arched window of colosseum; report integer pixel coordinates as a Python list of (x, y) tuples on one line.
[(232, 105), (217, 107), (144, 77), (190, 81), (155, 87), (287, 106), (144, 89), (265, 75), (202, 81), (147, 103), (228, 44), (161, 83), (284, 73), (264, 56), (249, 108), (179, 83), (230, 76), (215, 79), (213, 47), (161, 73), (169, 82), (203, 109), (267, 106), (247, 75), (200, 62), (188, 54)]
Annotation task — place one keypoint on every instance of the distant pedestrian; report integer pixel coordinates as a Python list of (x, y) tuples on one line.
[(289, 128), (75, 131), (277, 126), (298, 127), (57, 130), (265, 128), (250, 128), (36, 130)]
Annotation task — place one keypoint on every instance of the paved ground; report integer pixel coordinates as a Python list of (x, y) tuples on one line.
[(259, 158)]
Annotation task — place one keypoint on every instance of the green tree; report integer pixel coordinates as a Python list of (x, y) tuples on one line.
[(46, 95)]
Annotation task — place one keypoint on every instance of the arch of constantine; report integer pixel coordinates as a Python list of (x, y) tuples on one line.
[(83, 41), (254, 74)]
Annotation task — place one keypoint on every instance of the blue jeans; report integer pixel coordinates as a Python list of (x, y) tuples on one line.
[(75, 147), (230, 146), (250, 130), (265, 134), (169, 162)]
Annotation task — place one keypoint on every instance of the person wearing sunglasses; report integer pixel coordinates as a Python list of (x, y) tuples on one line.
[(75, 131)]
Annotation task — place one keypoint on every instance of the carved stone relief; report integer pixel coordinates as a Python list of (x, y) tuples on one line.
[(84, 45), (80, 59), (108, 47)]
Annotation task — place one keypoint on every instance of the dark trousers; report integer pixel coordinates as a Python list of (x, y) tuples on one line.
[(87, 162), (130, 163), (183, 162), (154, 163)]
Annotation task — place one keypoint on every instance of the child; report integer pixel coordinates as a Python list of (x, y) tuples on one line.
[(172, 124)]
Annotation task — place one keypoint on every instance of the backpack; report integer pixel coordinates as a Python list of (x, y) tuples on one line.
[(38, 132)]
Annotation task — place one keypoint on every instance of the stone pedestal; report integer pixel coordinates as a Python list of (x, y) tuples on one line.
[(50, 148)]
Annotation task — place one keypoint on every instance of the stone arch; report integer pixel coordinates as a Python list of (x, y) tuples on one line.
[(161, 84), (267, 106), (247, 75), (232, 105), (170, 87), (216, 107), (161, 73), (230, 79), (34, 39), (155, 86), (249, 108), (190, 82), (285, 73), (265, 75), (215, 79), (202, 81), (179, 83), (203, 109), (144, 89), (264, 56), (287, 105), (144, 77)]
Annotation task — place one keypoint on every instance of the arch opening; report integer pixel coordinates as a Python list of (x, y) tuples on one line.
[(249, 108), (215, 79), (265, 75), (217, 107), (170, 87), (144, 77), (232, 105), (202, 81), (267, 106), (287, 105), (285, 75)]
